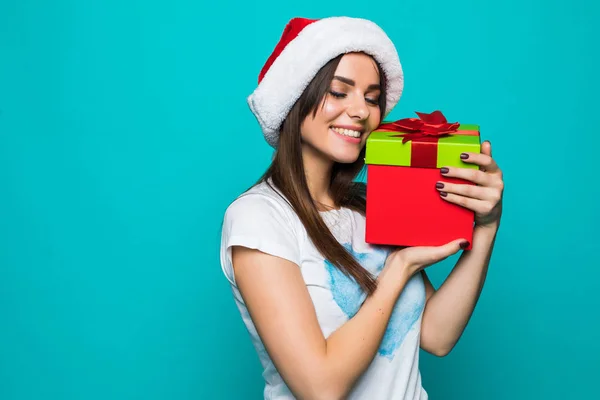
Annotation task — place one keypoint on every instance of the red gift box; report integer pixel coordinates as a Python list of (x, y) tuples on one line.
[(403, 159)]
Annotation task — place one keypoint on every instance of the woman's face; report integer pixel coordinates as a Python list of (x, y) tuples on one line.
[(348, 114)]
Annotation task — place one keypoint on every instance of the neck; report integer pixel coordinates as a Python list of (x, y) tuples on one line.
[(317, 169)]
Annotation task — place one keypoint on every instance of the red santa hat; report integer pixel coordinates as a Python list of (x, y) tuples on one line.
[(306, 45)]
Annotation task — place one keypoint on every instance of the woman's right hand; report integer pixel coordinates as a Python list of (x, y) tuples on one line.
[(404, 262)]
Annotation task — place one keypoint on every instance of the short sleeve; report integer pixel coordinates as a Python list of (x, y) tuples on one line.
[(258, 222)]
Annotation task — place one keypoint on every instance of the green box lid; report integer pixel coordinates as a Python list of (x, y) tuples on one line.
[(386, 148)]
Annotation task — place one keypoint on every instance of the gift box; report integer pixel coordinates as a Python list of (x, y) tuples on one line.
[(403, 160)]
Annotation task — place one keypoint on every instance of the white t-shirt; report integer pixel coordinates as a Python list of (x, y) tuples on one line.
[(261, 219)]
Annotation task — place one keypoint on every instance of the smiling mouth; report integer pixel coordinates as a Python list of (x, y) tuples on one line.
[(347, 132)]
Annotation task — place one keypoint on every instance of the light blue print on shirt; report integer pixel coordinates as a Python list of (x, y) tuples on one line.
[(406, 313), (349, 296)]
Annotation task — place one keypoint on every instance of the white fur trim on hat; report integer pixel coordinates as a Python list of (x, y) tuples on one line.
[(306, 54)]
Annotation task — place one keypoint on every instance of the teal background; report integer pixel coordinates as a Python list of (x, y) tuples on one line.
[(124, 134)]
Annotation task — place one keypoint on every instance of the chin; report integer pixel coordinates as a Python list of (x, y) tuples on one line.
[(346, 157)]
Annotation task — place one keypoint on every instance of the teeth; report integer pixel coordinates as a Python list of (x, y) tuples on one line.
[(347, 132)]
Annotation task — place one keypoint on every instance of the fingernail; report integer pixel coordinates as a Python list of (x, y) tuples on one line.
[(443, 194), (464, 156), (439, 185), (444, 170), (464, 245)]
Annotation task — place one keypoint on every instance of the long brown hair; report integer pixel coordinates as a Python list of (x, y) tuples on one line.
[(287, 174)]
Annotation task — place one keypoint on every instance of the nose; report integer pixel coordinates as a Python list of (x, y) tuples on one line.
[(358, 109)]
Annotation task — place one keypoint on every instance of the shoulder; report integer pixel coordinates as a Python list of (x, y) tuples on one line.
[(260, 219), (260, 202), (262, 211)]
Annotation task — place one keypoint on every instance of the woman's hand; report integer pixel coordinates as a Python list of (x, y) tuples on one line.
[(404, 262), (485, 197)]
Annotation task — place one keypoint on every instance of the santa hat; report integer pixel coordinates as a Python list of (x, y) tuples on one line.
[(306, 45)]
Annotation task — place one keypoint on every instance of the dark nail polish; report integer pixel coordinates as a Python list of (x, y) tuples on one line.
[(439, 185), (444, 170), (464, 245), (464, 156), (443, 194)]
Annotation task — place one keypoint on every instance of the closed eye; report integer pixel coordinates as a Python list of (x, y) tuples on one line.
[(337, 95)]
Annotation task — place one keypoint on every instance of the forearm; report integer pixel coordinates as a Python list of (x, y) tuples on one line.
[(351, 348), (449, 309)]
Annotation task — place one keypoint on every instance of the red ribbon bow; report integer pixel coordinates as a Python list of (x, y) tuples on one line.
[(427, 125)]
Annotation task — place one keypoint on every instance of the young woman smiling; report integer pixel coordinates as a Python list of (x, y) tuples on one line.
[(331, 316)]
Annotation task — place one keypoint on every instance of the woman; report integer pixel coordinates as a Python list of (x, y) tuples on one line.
[(330, 315)]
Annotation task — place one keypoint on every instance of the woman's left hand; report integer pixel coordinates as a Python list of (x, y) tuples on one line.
[(485, 197)]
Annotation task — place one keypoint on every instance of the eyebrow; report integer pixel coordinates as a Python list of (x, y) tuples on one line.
[(350, 82)]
